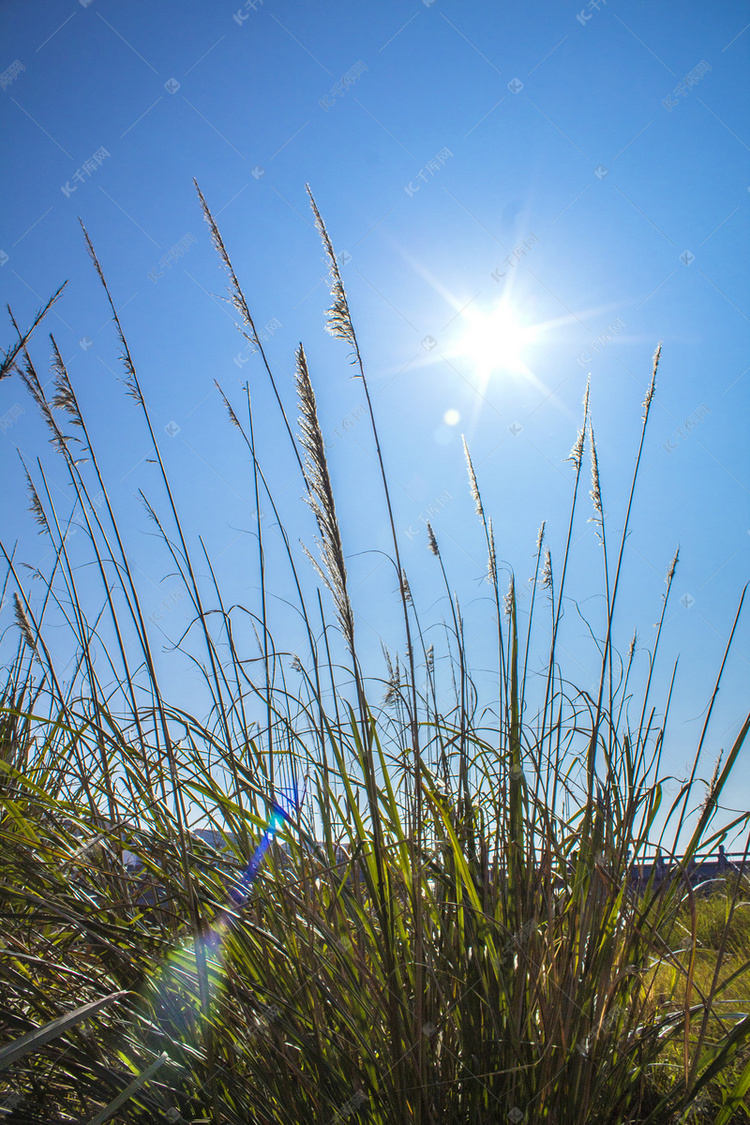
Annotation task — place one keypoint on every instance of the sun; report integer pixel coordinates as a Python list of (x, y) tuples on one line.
[(495, 341)]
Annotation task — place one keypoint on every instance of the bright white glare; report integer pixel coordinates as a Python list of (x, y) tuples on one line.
[(495, 341), (451, 417)]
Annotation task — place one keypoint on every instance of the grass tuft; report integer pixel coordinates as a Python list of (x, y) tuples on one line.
[(302, 904)]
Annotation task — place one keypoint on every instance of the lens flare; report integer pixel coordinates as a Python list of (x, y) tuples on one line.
[(197, 964)]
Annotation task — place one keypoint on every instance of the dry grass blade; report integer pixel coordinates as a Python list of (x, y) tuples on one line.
[(37, 1039), (228, 406), (9, 357), (238, 300), (131, 382), (33, 384), (35, 507), (236, 295)]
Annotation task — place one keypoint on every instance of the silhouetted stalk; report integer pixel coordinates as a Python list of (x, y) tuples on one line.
[(591, 755), (134, 389), (9, 357), (599, 518), (712, 701), (65, 399), (340, 324), (576, 456), (516, 865), (527, 646), (492, 578), (460, 649), (240, 304), (652, 657), (259, 478), (85, 637), (262, 574)]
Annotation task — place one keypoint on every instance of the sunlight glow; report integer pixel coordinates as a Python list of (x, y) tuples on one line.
[(495, 341)]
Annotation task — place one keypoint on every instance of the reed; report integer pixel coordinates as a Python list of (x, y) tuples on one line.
[(416, 909)]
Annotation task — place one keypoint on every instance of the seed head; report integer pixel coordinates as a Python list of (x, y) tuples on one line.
[(510, 597), (491, 555), (652, 385), (23, 622), (547, 572), (474, 487), (596, 492), (576, 453), (339, 317), (432, 541)]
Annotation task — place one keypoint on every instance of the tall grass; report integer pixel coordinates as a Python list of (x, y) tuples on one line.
[(421, 909)]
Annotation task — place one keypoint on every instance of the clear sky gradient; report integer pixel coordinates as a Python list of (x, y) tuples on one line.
[(565, 185)]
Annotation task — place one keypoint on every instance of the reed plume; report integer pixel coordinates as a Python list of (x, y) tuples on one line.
[(321, 501), (22, 620), (338, 317)]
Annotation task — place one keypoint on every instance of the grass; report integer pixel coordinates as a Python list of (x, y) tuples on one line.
[(420, 909)]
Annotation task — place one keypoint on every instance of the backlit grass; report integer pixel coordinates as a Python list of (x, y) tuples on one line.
[(420, 908)]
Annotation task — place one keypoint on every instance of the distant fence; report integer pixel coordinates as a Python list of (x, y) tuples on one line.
[(698, 871)]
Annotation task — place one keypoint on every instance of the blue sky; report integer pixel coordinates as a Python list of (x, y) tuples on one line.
[(581, 171)]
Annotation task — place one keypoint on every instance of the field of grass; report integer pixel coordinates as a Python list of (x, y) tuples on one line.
[(419, 908)]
